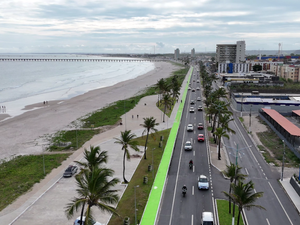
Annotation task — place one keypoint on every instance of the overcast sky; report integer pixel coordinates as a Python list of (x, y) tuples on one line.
[(145, 26)]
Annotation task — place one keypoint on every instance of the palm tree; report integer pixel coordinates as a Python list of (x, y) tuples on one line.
[(161, 86), (149, 125), (94, 189), (127, 141), (219, 133), (94, 158), (233, 172), (224, 120), (167, 101), (243, 196)]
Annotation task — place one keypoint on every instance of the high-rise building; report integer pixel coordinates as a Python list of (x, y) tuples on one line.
[(193, 53), (176, 54), (231, 53)]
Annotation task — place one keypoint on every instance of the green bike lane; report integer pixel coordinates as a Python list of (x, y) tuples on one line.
[(151, 210)]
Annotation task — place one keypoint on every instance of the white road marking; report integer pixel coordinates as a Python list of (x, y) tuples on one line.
[(193, 190), (192, 220), (246, 171), (280, 203), (267, 221)]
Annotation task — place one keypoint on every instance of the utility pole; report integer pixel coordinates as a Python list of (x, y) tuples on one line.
[(283, 160), (135, 209), (250, 119), (242, 104)]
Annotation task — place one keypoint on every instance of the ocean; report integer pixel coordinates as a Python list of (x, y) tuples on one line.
[(28, 82)]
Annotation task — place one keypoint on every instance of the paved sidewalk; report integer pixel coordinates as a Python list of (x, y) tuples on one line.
[(294, 197)]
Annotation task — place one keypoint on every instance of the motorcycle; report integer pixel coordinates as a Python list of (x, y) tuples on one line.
[(183, 192)]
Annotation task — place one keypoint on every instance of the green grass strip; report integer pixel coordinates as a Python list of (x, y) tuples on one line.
[(151, 210), (224, 217)]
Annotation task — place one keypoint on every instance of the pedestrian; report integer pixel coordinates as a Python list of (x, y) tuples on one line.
[(137, 116), (132, 116), (44, 102)]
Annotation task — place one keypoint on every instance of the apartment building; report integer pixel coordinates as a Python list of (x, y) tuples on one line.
[(176, 54), (286, 71), (193, 53), (231, 53)]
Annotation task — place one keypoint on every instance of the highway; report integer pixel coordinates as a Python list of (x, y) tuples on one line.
[(177, 209)]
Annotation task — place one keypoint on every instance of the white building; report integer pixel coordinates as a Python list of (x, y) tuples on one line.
[(193, 53), (176, 54), (231, 53)]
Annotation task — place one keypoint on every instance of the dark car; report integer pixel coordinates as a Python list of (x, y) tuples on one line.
[(70, 171)]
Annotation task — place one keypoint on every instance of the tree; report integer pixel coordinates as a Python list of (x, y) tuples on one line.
[(149, 125), (94, 189), (224, 120), (257, 68), (167, 101), (233, 172), (243, 196), (94, 158), (219, 134), (127, 141)]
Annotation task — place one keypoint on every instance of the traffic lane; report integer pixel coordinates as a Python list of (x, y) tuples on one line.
[(277, 211)]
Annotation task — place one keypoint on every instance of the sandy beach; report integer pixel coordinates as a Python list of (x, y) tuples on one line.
[(25, 134)]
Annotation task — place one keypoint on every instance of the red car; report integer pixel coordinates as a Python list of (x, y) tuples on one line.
[(200, 126), (201, 137)]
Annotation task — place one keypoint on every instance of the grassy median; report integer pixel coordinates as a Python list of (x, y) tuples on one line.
[(126, 205), (224, 217)]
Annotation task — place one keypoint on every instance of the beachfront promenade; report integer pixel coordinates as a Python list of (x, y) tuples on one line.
[(78, 60)]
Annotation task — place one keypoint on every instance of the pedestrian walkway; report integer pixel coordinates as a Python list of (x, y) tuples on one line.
[(294, 197)]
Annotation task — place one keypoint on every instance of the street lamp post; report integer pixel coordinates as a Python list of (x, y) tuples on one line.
[(152, 164), (283, 160), (250, 119), (242, 104), (135, 209)]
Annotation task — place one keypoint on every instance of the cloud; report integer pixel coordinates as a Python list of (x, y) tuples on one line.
[(138, 25)]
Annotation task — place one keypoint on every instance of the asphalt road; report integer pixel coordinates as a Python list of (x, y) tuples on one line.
[(177, 209)]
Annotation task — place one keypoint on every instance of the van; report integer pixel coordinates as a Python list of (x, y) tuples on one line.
[(207, 218)]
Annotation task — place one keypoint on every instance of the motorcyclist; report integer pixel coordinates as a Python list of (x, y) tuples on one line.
[(184, 188), (191, 162)]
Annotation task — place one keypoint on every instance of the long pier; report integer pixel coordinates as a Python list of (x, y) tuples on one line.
[(77, 60)]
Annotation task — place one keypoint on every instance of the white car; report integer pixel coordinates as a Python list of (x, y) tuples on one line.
[(192, 110), (198, 88), (203, 182), (190, 127), (77, 221), (199, 99), (188, 146)]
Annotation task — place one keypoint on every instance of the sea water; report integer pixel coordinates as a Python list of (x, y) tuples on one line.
[(28, 82)]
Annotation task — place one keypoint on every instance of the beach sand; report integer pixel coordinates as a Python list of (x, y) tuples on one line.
[(25, 134)]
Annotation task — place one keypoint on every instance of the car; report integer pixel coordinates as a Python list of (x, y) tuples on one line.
[(203, 182), (200, 108), (200, 137), (200, 126), (188, 146), (192, 110), (70, 171), (192, 102), (189, 88), (199, 99), (198, 88), (190, 127), (198, 81), (207, 218), (77, 221), (193, 90)]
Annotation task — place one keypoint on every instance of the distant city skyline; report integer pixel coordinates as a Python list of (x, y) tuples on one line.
[(134, 26)]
